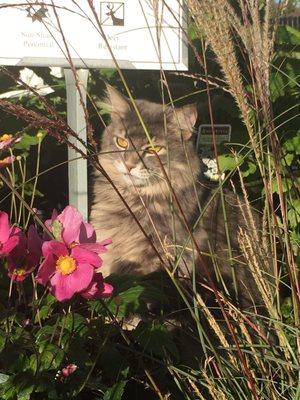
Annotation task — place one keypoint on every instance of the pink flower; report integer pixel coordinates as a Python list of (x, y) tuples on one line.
[(25, 257), (68, 370), (9, 236), (67, 270), (97, 289), (5, 162), (71, 259), (74, 231), (7, 140)]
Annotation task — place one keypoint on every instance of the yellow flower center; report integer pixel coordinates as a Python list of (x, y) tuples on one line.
[(65, 265), (5, 137), (19, 271)]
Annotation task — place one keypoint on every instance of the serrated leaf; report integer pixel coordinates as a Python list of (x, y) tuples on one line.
[(75, 323), (128, 302), (51, 356)]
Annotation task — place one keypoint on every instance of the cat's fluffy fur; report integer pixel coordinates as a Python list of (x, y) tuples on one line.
[(139, 177)]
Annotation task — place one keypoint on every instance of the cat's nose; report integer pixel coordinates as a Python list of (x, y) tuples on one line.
[(130, 166), (131, 161)]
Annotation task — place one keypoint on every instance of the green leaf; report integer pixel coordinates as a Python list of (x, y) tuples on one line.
[(3, 378), (249, 169), (286, 185), (155, 338), (292, 144), (288, 35), (46, 308), (56, 229), (26, 142), (294, 213), (75, 323), (115, 392), (228, 162), (288, 159), (51, 356), (128, 302)]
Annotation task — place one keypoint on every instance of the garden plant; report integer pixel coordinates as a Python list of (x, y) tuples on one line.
[(67, 332)]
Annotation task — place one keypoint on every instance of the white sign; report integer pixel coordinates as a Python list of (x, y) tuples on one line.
[(140, 33)]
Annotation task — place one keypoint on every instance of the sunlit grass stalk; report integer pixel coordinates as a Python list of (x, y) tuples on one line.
[(214, 391), (216, 328), (222, 198)]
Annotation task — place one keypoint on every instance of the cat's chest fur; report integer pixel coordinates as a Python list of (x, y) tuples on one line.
[(131, 250)]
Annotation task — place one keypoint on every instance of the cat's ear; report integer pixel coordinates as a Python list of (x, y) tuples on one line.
[(119, 104), (185, 117)]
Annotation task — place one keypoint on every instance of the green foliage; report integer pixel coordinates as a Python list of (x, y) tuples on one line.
[(26, 142)]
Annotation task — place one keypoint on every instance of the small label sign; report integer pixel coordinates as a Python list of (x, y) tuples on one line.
[(206, 133)]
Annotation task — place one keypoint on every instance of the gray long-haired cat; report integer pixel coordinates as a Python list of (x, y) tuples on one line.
[(137, 171)]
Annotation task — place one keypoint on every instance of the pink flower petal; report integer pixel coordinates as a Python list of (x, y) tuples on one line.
[(19, 251), (6, 143), (87, 233), (4, 227), (46, 270), (105, 242), (98, 247), (97, 289), (63, 287), (32, 261), (108, 290), (85, 256), (34, 242), (71, 221), (54, 247), (9, 245)]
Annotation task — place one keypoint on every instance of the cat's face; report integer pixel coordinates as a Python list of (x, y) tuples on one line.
[(127, 155)]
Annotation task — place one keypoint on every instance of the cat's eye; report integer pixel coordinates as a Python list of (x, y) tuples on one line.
[(121, 142), (156, 149)]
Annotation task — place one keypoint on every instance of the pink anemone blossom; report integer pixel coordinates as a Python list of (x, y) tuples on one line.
[(74, 231), (97, 289), (25, 257), (9, 235), (66, 270)]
